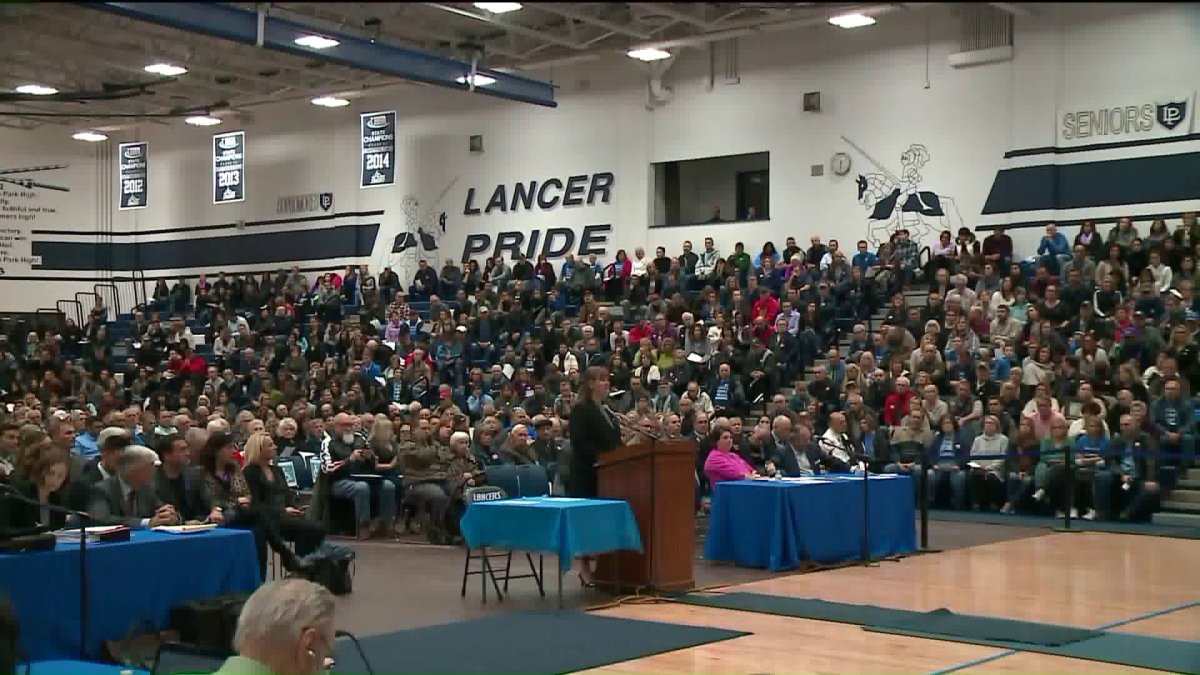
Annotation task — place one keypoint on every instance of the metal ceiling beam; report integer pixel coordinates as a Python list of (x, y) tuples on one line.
[(193, 64), (568, 12), (788, 25), (401, 24), (512, 27), (238, 25), (194, 84), (678, 15), (185, 47)]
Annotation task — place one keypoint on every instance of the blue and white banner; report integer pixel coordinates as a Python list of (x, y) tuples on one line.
[(229, 167), (132, 172), (378, 148)]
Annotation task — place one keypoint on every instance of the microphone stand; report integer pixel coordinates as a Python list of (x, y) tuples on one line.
[(350, 636), (866, 528), (8, 492)]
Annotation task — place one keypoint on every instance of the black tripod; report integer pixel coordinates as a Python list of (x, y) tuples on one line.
[(8, 492)]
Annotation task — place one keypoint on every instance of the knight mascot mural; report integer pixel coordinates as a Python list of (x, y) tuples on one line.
[(898, 202), (419, 238)]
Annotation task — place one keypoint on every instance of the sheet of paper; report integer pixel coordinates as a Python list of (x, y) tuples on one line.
[(186, 529)]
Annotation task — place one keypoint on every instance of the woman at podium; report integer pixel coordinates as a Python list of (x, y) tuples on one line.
[(594, 430)]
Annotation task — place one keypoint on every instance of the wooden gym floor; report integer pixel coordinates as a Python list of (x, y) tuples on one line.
[(1087, 580)]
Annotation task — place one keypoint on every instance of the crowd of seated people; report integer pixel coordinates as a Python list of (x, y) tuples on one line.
[(1007, 371)]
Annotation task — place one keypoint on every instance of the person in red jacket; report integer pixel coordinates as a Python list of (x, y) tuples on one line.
[(766, 306), (645, 329), (192, 365), (895, 406)]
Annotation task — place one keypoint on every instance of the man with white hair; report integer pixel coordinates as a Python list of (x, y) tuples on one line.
[(345, 454), (286, 626), (128, 498)]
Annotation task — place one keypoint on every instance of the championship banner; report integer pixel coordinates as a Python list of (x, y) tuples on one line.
[(229, 167), (378, 148), (132, 162)]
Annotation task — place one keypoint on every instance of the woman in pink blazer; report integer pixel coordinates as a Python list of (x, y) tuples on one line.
[(724, 464)]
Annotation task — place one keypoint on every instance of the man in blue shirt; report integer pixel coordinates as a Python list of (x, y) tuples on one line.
[(87, 443), (1054, 249), (864, 259)]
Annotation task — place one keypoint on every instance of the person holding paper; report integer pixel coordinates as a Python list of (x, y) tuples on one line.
[(987, 485)]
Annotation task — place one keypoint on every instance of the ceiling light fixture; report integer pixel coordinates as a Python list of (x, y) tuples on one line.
[(89, 136), (316, 42), (478, 79), (649, 54), (498, 7), (36, 90), (852, 20), (202, 121), (330, 102), (165, 69)]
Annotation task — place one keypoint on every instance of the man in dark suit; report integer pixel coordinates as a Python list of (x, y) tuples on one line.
[(180, 485), (88, 473), (793, 454), (128, 498)]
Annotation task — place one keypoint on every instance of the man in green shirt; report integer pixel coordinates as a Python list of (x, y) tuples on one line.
[(286, 628), (740, 260)]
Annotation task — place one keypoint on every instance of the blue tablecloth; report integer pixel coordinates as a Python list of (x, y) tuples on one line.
[(776, 524), (128, 582), (567, 527), (77, 668)]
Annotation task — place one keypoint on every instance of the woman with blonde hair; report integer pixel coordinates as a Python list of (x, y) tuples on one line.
[(382, 441), (229, 490)]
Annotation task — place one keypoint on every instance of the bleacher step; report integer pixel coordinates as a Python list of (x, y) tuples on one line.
[(1185, 495), (1176, 519), (1185, 507), (1188, 484)]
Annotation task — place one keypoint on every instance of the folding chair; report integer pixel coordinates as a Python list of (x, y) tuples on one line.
[(486, 570), (532, 480)]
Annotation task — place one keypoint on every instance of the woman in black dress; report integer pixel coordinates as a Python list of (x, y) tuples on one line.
[(594, 431), (228, 489), (270, 493)]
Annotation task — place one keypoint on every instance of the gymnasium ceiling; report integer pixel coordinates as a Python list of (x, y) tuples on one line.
[(77, 49)]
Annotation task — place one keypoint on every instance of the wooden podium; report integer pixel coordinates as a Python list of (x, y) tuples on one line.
[(658, 480)]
